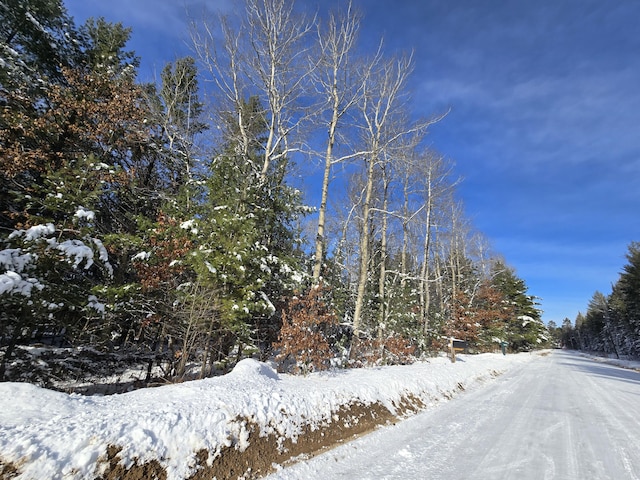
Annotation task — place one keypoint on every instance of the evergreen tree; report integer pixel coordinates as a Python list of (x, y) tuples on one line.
[(104, 44), (402, 306), (592, 329), (36, 42), (555, 333), (74, 155), (611, 323), (525, 329), (624, 305), (579, 325), (244, 244), (157, 303), (568, 336), (629, 286), (630, 281)]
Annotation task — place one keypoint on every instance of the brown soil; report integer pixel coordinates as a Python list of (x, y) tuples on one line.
[(115, 471), (263, 452), (8, 470)]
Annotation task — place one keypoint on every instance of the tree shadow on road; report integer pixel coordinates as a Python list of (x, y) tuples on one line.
[(603, 370)]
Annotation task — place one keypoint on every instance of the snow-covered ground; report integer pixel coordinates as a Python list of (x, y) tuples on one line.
[(47, 434), (611, 360), (562, 416)]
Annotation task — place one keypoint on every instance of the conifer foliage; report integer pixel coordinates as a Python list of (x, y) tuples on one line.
[(611, 324), (132, 222)]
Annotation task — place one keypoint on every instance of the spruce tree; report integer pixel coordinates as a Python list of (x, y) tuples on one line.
[(525, 329), (78, 166), (247, 225)]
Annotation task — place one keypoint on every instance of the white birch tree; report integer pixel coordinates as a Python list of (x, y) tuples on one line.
[(335, 81), (263, 54), (383, 95)]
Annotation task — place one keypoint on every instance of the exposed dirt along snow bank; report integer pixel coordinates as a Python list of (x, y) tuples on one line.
[(235, 426)]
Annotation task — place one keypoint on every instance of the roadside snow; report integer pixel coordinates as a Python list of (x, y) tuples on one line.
[(561, 416), (55, 435), (610, 360)]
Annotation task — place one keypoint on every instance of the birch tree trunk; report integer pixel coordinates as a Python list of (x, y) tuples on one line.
[(383, 250), (425, 298), (404, 252), (382, 99), (335, 80), (436, 186), (365, 236)]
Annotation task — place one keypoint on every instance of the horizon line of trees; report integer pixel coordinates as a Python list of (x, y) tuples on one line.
[(611, 325), (163, 220)]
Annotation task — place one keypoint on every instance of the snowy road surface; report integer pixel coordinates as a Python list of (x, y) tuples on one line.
[(560, 416)]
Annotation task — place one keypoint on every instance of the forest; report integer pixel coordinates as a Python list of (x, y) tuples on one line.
[(611, 325), (164, 224)]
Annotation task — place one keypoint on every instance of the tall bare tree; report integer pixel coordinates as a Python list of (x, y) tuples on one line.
[(383, 94), (385, 183), (455, 263), (279, 69), (262, 54), (390, 171), (335, 80), (435, 185), (182, 107)]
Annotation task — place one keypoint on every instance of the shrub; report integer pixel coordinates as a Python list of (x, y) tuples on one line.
[(303, 343)]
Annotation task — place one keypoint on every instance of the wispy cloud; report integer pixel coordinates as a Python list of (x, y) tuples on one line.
[(573, 119), (544, 122), (558, 80)]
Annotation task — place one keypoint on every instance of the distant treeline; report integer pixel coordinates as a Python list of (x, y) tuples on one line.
[(612, 322)]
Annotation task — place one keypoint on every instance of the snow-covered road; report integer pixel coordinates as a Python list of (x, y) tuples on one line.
[(560, 416)]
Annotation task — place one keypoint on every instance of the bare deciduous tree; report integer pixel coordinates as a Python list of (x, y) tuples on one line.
[(435, 184), (264, 56), (335, 80), (383, 95)]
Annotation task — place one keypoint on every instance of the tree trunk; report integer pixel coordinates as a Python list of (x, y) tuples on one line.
[(364, 251), (425, 297), (335, 44), (405, 234), (320, 240), (383, 256)]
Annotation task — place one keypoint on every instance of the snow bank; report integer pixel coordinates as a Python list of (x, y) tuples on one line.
[(611, 360), (55, 435)]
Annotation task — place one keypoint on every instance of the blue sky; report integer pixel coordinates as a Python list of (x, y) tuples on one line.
[(544, 125)]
